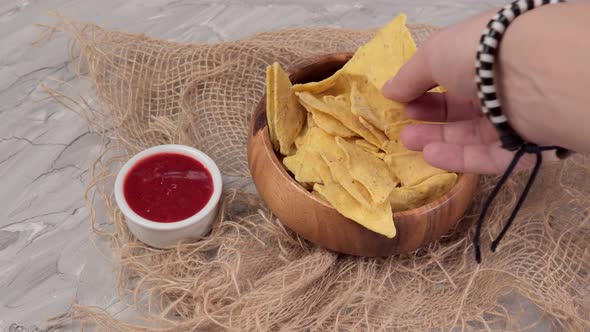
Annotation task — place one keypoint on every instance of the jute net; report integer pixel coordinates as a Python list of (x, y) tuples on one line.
[(251, 273)]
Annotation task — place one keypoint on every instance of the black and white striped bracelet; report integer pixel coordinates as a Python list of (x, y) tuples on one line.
[(490, 105)]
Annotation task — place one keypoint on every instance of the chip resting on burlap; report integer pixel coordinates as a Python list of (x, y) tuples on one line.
[(252, 274)]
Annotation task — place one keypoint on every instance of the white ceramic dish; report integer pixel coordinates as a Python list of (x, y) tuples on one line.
[(166, 235)]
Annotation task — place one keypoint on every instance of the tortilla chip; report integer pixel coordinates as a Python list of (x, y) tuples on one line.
[(310, 122), (382, 57), (366, 145), (411, 197), (395, 146), (394, 130), (317, 87), (320, 141), (342, 176), (288, 114), (323, 170), (306, 164), (300, 139), (301, 165), (335, 159), (330, 125), (369, 103), (319, 196), (376, 217), (313, 103), (380, 155), (378, 134), (341, 112), (342, 100), (410, 167), (369, 170), (270, 107)]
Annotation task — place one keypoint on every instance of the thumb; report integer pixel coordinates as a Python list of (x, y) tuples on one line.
[(413, 79)]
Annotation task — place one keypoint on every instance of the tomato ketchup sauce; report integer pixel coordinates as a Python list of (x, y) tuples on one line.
[(168, 187)]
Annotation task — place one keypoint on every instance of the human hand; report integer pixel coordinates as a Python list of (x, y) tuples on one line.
[(468, 142)]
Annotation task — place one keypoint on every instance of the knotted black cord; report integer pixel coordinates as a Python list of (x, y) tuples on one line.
[(526, 148)]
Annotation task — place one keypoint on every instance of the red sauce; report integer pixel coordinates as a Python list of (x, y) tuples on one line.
[(168, 187)]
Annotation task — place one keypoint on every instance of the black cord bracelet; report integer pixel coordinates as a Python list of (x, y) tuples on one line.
[(490, 105)]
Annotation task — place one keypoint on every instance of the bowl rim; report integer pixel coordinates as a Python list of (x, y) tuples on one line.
[(462, 178), (132, 217)]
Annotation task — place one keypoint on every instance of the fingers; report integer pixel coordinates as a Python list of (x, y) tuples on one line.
[(465, 147), (478, 131), (442, 107), (479, 159)]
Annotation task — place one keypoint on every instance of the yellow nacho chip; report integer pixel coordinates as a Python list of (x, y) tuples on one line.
[(300, 139), (376, 217), (310, 122), (313, 103), (378, 134), (322, 168), (380, 155), (369, 103), (342, 176), (301, 165), (394, 130), (335, 159), (330, 125), (410, 167), (351, 121), (411, 197), (382, 57), (369, 170), (306, 164), (366, 145), (395, 146), (360, 106), (288, 115), (336, 107), (319, 196), (316, 87), (320, 141), (270, 107), (438, 89)]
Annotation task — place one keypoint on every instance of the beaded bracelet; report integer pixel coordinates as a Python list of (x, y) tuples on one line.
[(490, 105)]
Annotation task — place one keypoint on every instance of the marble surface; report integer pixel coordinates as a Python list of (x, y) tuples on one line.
[(47, 258)]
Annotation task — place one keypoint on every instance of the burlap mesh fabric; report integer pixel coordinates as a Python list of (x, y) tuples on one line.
[(252, 274)]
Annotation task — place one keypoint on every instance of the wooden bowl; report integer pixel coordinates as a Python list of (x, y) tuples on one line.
[(319, 222)]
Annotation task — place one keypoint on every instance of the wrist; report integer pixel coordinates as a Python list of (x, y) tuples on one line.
[(541, 73)]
